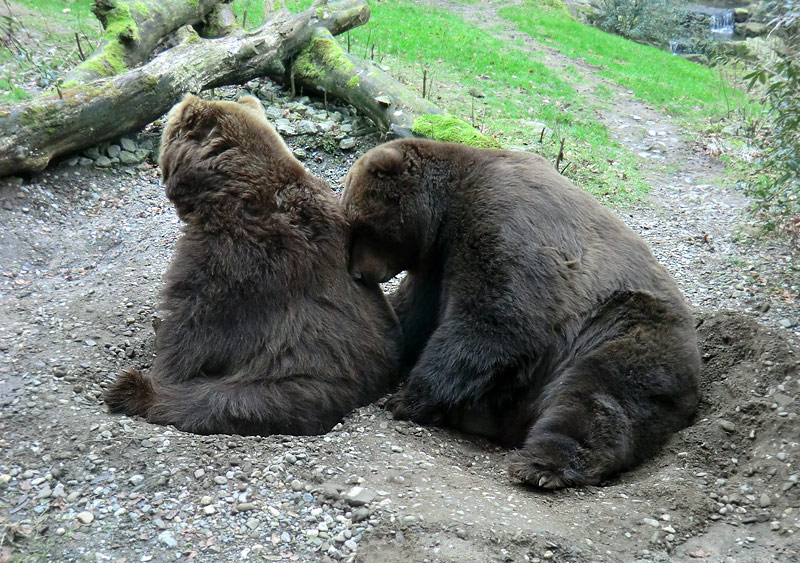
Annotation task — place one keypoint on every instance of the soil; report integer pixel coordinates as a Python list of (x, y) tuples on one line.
[(82, 252)]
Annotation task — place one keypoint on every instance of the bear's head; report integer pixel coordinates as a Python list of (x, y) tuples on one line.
[(390, 206), (211, 150)]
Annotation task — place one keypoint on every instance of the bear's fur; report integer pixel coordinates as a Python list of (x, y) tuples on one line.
[(530, 313), (264, 331)]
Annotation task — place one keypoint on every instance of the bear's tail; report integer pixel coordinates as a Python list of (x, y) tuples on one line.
[(296, 404)]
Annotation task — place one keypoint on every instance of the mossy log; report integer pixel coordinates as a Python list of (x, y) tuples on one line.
[(323, 66), (132, 30), (35, 131)]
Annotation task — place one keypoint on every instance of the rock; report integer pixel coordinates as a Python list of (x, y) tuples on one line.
[(167, 539), (103, 162), (359, 496), (85, 517), (787, 323), (285, 128), (136, 480), (726, 425), (245, 506), (741, 15), (113, 151), (651, 522), (750, 29), (128, 144), (360, 514), (221, 480), (296, 485), (126, 157), (764, 501), (347, 143), (92, 153), (305, 127)]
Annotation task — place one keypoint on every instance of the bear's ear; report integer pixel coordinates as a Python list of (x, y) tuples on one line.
[(192, 117), (252, 103), (385, 161)]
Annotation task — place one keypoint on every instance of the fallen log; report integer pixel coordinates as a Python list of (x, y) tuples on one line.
[(35, 131), (324, 67), (131, 32)]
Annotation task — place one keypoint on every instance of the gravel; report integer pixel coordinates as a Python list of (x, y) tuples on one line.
[(82, 252)]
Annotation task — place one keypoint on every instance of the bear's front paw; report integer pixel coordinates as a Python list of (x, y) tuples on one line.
[(407, 406)]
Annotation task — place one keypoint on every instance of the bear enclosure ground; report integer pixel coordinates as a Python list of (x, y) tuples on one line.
[(82, 252)]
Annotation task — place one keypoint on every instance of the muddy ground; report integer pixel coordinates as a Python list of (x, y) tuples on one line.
[(82, 252)]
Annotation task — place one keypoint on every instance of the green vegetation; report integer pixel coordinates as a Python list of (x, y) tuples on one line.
[(502, 89), (452, 130), (777, 189), (681, 88)]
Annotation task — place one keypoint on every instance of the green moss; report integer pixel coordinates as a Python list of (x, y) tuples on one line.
[(452, 130), (194, 3), (110, 60), (120, 26), (353, 82), (320, 13), (322, 55), (141, 8)]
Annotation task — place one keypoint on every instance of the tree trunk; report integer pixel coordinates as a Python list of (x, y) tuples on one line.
[(132, 31), (323, 66), (396, 109), (35, 131)]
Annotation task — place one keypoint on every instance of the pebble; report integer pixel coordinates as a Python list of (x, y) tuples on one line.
[(167, 539), (651, 522), (85, 517), (220, 480), (296, 485), (764, 501), (347, 143), (727, 425), (359, 496), (136, 480)]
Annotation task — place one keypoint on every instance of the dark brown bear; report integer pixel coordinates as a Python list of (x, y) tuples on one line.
[(531, 314), (264, 330)]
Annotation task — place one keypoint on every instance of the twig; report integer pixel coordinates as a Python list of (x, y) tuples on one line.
[(560, 153), (424, 80), (565, 168), (244, 18), (80, 49)]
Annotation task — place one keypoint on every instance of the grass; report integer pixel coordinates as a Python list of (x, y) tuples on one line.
[(519, 93), (670, 83), (502, 87)]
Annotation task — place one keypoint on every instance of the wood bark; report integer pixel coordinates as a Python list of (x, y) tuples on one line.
[(132, 31), (323, 66), (35, 131)]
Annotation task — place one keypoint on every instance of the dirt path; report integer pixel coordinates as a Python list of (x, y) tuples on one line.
[(82, 252)]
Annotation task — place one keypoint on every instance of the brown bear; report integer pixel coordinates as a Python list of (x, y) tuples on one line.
[(530, 313), (264, 331)]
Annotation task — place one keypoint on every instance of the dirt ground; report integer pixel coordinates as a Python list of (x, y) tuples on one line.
[(82, 252)]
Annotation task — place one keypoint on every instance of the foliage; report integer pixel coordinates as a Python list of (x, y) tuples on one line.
[(778, 196), (646, 21)]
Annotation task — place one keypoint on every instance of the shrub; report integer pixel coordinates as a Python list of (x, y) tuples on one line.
[(778, 196), (645, 21)]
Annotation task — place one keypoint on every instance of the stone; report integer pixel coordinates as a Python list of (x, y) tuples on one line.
[(347, 143), (306, 127), (741, 15), (85, 517), (113, 151), (103, 162), (126, 157), (128, 144), (167, 539), (726, 425), (359, 496), (750, 29)]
